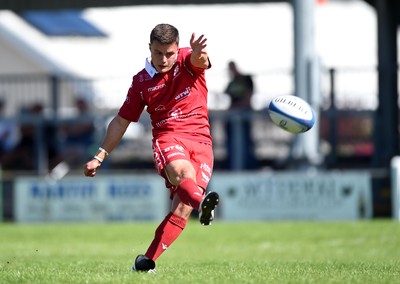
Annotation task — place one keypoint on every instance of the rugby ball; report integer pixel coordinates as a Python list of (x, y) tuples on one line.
[(291, 113)]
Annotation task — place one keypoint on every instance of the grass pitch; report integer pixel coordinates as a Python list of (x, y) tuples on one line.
[(256, 252)]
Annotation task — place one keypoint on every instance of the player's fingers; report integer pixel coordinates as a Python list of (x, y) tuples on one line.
[(90, 173), (89, 170), (202, 40), (192, 39)]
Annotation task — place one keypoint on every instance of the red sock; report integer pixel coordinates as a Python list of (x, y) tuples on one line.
[(189, 193), (166, 233)]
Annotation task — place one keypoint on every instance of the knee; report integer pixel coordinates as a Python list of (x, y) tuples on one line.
[(179, 170)]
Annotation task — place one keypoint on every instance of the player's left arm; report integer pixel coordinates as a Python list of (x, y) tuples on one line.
[(199, 57)]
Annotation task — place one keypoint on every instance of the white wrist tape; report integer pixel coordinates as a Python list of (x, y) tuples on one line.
[(103, 150), (98, 158)]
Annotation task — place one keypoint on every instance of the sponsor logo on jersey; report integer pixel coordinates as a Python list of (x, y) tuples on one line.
[(144, 77), (155, 88), (175, 113), (176, 71), (147, 77), (175, 154), (206, 168), (204, 177), (175, 116), (183, 95), (177, 147), (160, 107)]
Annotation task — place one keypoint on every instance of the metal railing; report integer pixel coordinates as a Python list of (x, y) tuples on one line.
[(271, 144)]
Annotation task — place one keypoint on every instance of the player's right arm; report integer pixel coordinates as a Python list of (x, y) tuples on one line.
[(199, 57), (115, 131)]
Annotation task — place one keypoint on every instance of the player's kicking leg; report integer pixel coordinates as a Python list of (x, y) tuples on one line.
[(207, 206)]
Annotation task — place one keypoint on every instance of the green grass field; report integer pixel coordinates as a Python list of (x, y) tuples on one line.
[(257, 252)]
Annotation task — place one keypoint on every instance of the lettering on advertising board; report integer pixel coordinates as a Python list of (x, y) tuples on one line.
[(81, 199), (278, 193), (69, 190), (259, 196), (128, 190)]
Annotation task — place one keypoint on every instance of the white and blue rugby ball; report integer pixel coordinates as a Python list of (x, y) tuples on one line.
[(291, 113)]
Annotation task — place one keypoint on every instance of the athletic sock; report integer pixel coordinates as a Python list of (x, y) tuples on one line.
[(189, 193), (166, 233)]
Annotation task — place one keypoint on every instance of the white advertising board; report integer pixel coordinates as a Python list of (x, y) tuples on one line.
[(104, 198), (293, 196)]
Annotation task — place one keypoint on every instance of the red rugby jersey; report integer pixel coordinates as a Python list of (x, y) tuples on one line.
[(176, 100)]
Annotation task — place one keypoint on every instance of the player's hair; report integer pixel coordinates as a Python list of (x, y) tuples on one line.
[(164, 34)]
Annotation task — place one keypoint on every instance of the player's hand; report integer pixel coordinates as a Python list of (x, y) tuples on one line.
[(198, 45), (91, 167)]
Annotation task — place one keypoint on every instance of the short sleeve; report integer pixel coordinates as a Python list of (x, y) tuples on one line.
[(133, 105)]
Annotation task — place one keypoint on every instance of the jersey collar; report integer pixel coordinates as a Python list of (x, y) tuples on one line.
[(150, 68)]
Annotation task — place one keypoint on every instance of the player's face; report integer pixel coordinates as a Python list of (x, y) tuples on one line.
[(163, 56)]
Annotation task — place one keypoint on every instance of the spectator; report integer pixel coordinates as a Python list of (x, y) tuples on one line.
[(77, 135), (37, 136), (240, 90), (8, 132)]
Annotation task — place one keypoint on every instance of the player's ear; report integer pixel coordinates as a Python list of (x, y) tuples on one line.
[(150, 46)]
